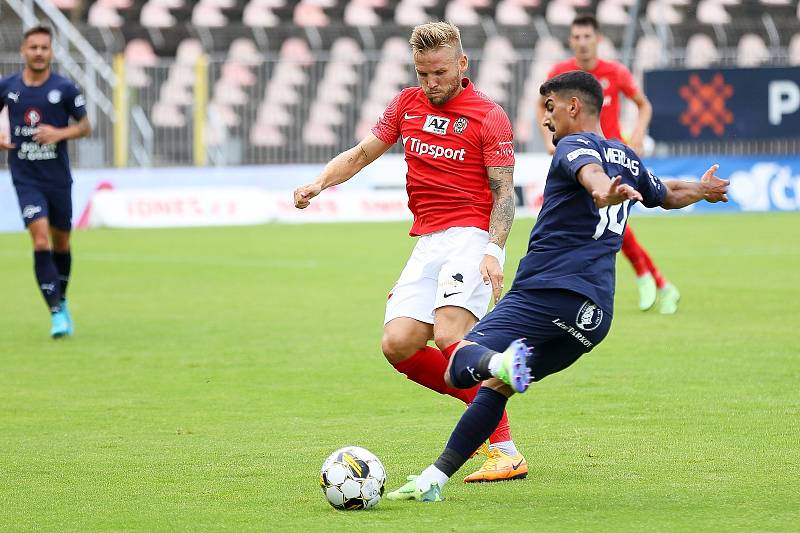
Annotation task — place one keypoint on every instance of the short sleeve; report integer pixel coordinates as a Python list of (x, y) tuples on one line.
[(74, 101), (387, 128), (574, 152), (627, 84), (652, 189), (498, 139)]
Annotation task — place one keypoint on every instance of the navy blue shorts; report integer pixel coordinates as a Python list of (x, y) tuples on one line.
[(558, 324), (55, 203)]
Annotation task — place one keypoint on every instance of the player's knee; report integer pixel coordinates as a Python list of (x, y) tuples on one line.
[(445, 339), (397, 348), (41, 243)]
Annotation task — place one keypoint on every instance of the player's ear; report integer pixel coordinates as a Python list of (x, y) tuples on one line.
[(463, 63), (574, 106)]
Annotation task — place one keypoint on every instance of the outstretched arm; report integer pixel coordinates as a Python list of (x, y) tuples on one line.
[(604, 190), (501, 182), (710, 188), (341, 168)]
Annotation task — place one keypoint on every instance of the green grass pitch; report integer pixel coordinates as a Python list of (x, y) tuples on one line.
[(213, 370)]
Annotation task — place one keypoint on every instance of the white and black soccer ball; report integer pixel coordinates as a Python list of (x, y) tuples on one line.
[(352, 478)]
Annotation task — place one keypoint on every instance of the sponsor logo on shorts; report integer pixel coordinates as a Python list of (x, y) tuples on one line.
[(454, 286), (574, 332), (437, 125), (54, 96), (460, 125), (589, 316), (30, 211)]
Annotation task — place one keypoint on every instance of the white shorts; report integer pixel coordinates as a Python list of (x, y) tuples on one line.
[(443, 270)]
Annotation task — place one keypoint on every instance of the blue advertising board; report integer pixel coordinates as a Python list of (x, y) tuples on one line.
[(724, 104)]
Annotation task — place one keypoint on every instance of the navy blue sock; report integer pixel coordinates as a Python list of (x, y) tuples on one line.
[(47, 276), (63, 263), (476, 424), (470, 366)]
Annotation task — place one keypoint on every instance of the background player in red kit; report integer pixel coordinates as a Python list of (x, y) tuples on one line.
[(459, 149), (616, 79)]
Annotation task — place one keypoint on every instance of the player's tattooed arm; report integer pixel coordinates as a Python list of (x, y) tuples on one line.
[(501, 183), (341, 168)]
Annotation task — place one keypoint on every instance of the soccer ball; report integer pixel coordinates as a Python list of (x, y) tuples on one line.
[(352, 478)]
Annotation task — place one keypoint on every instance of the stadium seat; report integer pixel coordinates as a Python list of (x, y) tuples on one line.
[(606, 50), (207, 14), (612, 13), (512, 13), (223, 114), (316, 134), (712, 12), (309, 13), (649, 54), (701, 52), (346, 49), (189, 50), (156, 14), (244, 51), (237, 74), (138, 55), (167, 115), (461, 13), (560, 12), (794, 50), (751, 51), (296, 50), (410, 13), (266, 135), (256, 14), (103, 14), (361, 13), (663, 12), (274, 114)]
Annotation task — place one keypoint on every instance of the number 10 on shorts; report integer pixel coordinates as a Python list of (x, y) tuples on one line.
[(609, 218)]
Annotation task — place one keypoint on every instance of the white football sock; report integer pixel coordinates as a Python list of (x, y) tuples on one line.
[(495, 363), (431, 475), (506, 446)]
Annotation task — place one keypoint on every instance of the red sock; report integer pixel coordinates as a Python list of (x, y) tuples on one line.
[(660, 280), (427, 367), (634, 252)]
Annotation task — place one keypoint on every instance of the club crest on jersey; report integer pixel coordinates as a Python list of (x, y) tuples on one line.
[(460, 125), (437, 125), (54, 96), (33, 117), (589, 316)]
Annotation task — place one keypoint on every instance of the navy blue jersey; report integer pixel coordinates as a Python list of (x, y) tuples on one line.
[(574, 244), (52, 103)]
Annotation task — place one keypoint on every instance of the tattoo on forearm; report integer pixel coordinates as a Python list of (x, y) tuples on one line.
[(501, 182)]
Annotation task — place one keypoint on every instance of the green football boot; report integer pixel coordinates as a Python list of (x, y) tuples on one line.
[(515, 371), (647, 291), (668, 298), (409, 491)]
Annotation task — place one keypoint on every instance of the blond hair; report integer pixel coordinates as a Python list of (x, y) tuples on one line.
[(435, 35)]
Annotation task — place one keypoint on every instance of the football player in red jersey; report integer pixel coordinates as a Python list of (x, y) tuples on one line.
[(616, 79), (459, 150)]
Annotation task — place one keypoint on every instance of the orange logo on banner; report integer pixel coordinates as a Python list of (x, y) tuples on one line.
[(706, 105)]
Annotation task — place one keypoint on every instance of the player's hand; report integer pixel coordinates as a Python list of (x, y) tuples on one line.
[(304, 194), (492, 273), (6, 144), (47, 134), (715, 189), (617, 193)]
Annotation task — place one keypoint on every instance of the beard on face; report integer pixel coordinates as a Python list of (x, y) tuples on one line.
[(444, 95)]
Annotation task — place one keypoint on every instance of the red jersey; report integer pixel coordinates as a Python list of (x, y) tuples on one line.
[(447, 149), (614, 78)]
